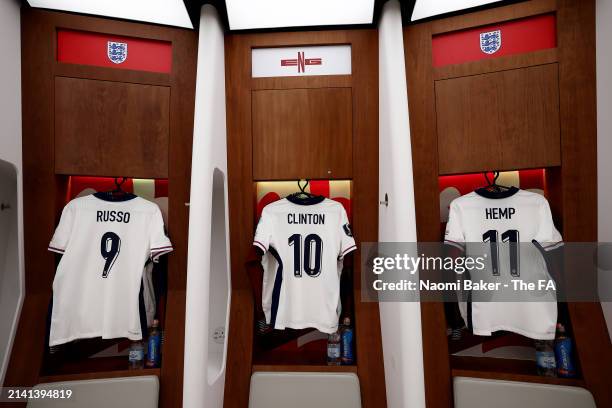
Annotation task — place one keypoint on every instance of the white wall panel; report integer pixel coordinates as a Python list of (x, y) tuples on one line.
[(11, 269), (604, 141), (400, 321), (208, 273)]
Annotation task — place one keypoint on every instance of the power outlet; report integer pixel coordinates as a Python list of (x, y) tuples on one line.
[(219, 335)]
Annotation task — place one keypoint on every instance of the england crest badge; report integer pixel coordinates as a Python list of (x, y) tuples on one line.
[(117, 51), (490, 42)]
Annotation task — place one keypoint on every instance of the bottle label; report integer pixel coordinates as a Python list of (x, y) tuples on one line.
[(563, 351), (136, 355), (545, 359), (333, 351), (347, 345), (153, 352)]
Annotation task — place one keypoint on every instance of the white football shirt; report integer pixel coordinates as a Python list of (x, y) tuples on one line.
[(105, 245), (489, 225), (304, 243)]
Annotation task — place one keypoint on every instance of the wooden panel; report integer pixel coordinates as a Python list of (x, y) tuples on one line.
[(505, 369), (571, 187), (305, 368), (115, 120), (241, 216), (100, 374), (496, 64), (239, 86), (499, 121), (492, 16), (109, 74), (368, 340), (577, 80), (302, 133), (319, 81), (45, 193), (182, 107)]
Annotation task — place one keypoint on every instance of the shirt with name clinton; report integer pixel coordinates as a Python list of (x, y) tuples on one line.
[(303, 247)]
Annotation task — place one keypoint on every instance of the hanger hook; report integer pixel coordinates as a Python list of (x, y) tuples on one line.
[(495, 176), (303, 189), (486, 176), (120, 183)]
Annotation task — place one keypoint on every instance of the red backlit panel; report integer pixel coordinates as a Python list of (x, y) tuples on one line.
[(146, 188), (496, 40), (105, 50)]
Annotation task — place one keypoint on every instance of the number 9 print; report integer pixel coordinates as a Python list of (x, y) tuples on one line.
[(110, 245)]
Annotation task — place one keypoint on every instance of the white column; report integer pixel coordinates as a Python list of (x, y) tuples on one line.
[(12, 279), (208, 284), (400, 321), (604, 141)]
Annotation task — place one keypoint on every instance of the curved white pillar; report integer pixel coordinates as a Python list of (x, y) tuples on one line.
[(400, 321), (208, 273)]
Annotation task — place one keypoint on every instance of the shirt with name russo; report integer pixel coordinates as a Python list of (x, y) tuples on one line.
[(105, 245)]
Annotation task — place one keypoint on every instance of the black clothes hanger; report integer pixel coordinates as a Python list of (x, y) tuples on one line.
[(117, 194), (302, 197), (494, 190)]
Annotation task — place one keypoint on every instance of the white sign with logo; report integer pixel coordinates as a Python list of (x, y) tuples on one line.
[(301, 61)]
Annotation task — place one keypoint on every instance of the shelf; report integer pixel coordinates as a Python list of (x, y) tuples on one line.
[(100, 374), (505, 369), (90, 368), (306, 368)]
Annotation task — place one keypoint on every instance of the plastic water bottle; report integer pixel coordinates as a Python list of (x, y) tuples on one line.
[(154, 344), (347, 342), (545, 358), (136, 355), (333, 349), (564, 353)]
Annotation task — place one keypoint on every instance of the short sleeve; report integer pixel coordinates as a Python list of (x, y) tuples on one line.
[(547, 236), (454, 234), (347, 242), (263, 232), (62, 234), (158, 240)]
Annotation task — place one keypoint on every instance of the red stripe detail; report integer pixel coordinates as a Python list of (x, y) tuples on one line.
[(314, 61), (454, 243), (288, 63), (260, 245), (301, 62), (85, 48), (517, 37), (162, 251), (349, 249), (157, 249)]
